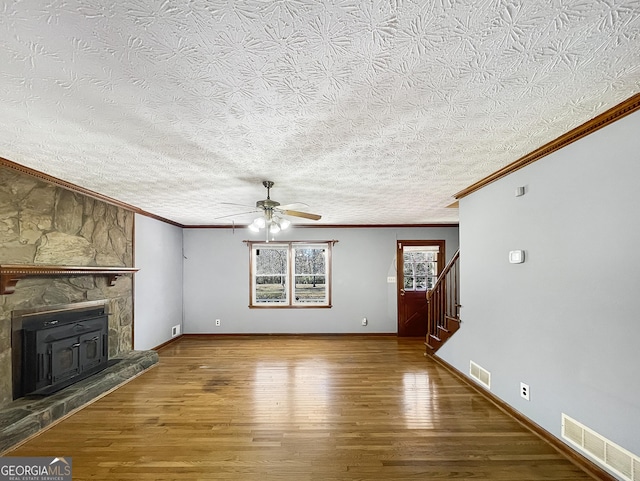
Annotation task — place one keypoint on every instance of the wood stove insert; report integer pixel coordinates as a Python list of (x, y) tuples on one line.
[(56, 346)]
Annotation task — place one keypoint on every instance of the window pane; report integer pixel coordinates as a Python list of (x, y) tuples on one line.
[(408, 268), (271, 275), (271, 261), (310, 289), (271, 289), (421, 269), (310, 260), (417, 256), (433, 271), (408, 282), (310, 280)]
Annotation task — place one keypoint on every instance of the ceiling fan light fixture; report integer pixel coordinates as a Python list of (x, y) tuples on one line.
[(272, 220), (284, 223)]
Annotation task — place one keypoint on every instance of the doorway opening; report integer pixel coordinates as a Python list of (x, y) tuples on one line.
[(419, 264)]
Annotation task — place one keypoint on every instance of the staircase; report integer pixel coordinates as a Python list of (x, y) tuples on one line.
[(443, 306)]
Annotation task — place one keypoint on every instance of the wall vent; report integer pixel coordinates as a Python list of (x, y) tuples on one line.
[(609, 454), (479, 374)]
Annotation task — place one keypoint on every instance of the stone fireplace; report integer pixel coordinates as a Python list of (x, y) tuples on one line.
[(44, 224)]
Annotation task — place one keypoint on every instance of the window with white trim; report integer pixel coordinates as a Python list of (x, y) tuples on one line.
[(290, 274)]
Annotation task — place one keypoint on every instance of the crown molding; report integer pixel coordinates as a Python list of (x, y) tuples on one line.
[(80, 190), (327, 226), (621, 110), (95, 195)]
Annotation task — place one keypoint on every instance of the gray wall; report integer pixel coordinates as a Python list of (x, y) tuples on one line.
[(216, 281), (158, 283), (566, 322)]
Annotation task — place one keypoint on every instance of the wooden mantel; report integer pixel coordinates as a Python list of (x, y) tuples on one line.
[(10, 274)]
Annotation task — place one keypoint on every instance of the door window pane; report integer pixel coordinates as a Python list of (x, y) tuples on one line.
[(420, 267)]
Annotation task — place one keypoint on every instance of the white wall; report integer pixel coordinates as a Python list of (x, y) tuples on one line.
[(216, 281), (158, 283), (567, 320)]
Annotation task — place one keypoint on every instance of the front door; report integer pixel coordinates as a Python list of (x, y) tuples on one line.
[(419, 264)]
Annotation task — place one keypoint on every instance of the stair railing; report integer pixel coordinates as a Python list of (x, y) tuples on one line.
[(443, 301)]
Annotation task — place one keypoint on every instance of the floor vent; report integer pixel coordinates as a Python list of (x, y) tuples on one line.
[(479, 374), (618, 459)]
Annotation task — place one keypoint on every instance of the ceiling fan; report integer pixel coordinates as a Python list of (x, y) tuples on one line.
[(272, 219), (271, 206)]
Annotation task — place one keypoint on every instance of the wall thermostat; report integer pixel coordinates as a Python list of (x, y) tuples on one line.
[(516, 257)]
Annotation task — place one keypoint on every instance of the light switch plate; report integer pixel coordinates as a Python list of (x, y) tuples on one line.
[(516, 257)]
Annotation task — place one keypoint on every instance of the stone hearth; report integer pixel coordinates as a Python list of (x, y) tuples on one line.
[(27, 416)]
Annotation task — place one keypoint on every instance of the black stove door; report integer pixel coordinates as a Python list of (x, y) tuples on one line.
[(93, 350), (65, 357)]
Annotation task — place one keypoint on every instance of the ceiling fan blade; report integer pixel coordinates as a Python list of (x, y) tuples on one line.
[(237, 214), (293, 205), (233, 203), (296, 213)]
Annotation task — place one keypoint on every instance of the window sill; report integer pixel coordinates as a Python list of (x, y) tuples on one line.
[(273, 306)]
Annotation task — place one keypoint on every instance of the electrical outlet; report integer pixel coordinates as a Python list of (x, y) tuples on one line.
[(524, 391), (217, 322), (175, 330), (364, 321)]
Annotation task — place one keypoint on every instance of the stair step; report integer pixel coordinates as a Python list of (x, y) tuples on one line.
[(453, 324), (434, 341), (430, 350)]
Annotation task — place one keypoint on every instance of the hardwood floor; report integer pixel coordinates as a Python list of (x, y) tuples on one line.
[(298, 408)]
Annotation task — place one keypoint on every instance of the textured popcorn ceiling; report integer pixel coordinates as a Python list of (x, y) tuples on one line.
[(370, 112)]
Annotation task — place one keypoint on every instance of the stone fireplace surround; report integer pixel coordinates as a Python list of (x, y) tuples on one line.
[(44, 224)]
